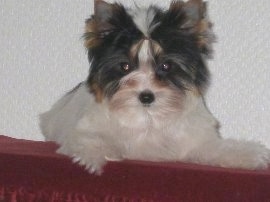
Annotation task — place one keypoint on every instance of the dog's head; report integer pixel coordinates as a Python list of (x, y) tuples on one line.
[(148, 58)]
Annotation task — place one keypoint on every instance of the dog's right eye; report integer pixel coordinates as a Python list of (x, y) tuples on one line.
[(125, 67)]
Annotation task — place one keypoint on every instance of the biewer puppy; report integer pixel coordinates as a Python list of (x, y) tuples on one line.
[(143, 98)]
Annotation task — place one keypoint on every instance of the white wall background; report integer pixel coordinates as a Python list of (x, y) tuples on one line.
[(42, 57)]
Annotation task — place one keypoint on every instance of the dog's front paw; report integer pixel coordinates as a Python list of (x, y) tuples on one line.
[(255, 157), (231, 153), (246, 155), (91, 158), (92, 164)]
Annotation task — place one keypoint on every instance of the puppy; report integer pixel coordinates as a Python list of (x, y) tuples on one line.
[(143, 98)]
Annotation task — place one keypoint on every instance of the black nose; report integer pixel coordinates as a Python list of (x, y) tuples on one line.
[(146, 97)]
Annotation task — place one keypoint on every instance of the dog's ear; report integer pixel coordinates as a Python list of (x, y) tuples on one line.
[(195, 10), (98, 25), (103, 10), (195, 21)]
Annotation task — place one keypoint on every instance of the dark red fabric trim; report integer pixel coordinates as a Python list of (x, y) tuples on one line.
[(31, 171)]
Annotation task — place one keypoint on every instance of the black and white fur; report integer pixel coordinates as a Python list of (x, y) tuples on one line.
[(143, 98)]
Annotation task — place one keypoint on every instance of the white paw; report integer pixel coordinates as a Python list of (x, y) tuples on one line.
[(231, 153), (93, 165), (257, 158), (92, 159), (246, 155)]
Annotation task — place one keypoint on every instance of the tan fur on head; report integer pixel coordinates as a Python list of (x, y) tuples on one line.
[(97, 92), (197, 22), (91, 38), (202, 25), (97, 25)]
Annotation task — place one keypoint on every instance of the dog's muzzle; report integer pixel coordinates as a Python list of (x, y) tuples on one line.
[(146, 97)]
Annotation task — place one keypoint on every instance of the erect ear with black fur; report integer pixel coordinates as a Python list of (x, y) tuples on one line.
[(98, 25), (103, 10), (196, 21)]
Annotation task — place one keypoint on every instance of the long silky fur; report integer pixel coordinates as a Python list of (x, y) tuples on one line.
[(146, 50)]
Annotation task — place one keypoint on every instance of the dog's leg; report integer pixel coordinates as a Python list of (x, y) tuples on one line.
[(90, 152), (231, 153)]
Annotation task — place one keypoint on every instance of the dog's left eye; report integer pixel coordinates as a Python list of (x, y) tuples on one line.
[(164, 68)]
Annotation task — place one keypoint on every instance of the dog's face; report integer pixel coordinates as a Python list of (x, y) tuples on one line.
[(148, 58)]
